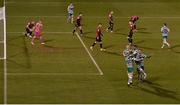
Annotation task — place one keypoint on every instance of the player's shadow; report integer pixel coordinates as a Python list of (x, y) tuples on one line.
[(173, 48), (143, 32), (88, 37), (119, 33), (142, 29), (25, 52), (158, 90), (113, 53), (86, 33)]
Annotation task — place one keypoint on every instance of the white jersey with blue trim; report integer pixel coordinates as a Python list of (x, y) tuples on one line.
[(165, 31), (70, 9)]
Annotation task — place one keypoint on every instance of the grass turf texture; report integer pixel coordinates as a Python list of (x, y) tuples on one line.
[(64, 55)]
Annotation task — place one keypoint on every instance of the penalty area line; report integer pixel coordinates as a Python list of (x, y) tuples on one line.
[(49, 74), (93, 60)]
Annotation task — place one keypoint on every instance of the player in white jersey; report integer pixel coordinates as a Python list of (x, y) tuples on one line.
[(138, 58), (127, 53), (165, 30), (70, 11)]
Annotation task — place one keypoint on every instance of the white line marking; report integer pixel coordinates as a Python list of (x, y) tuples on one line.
[(97, 66), (49, 74), (5, 81), (64, 16), (42, 32)]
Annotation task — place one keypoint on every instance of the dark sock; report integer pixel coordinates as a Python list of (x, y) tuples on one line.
[(100, 45), (94, 44), (81, 32)]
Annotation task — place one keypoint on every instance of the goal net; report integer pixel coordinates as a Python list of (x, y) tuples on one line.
[(2, 33)]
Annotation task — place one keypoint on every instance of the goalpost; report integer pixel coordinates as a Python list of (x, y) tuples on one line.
[(3, 52)]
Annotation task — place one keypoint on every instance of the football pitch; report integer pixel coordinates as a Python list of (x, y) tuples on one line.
[(63, 72)]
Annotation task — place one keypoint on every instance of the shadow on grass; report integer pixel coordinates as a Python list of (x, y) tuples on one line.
[(143, 32), (25, 52), (88, 37), (158, 90), (88, 32), (173, 48), (113, 53)]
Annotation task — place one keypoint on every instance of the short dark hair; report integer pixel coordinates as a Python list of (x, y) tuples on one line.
[(165, 24)]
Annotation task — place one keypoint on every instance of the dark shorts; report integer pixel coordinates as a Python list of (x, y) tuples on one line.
[(99, 40), (29, 31), (77, 25)]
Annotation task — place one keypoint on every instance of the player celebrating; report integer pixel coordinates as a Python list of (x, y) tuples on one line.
[(37, 31), (70, 10), (127, 53), (78, 24), (165, 30), (138, 57), (134, 19), (29, 29), (111, 23), (98, 37)]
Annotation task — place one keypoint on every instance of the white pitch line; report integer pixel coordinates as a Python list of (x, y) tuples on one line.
[(93, 60), (5, 81), (48, 74), (42, 32), (120, 17)]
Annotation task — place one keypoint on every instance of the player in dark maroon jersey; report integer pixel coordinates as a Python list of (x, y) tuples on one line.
[(134, 19), (78, 24), (111, 23), (29, 29), (98, 37), (131, 32)]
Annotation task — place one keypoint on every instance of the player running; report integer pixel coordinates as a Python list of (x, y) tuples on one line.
[(131, 32), (30, 29), (111, 23), (165, 30), (37, 31), (78, 24), (70, 10), (98, 37), (127, 53), (134, 19)]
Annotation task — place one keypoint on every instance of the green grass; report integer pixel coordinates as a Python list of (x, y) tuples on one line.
[(63, 53)]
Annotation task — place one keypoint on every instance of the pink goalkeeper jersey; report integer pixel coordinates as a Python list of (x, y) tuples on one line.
[(38, 28)]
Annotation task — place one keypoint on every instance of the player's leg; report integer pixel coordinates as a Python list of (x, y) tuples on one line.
[(72, 18), (130, 40), (41, 39), (68, 18), (100, 45), (75, 28), (112, 26), (33, 39), (80, 28), (109, 27), (93, 45), (130, 76), (141, 72)]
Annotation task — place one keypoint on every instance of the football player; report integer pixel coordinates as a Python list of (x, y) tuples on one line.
[(111, 23), (78, 24), (98, 37), (165, 30), (30, 29), (128, 55), (70, 10)]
